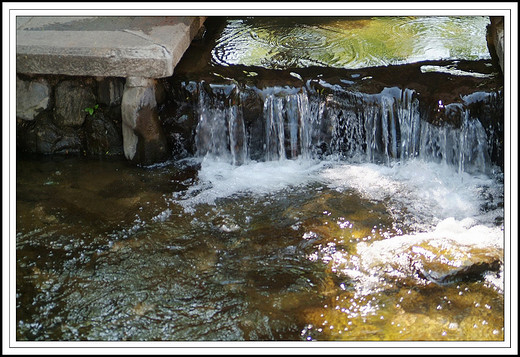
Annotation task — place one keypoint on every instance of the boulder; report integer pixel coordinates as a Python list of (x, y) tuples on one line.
[(44, 137), (32, 97), (72, 97), (495, 39)]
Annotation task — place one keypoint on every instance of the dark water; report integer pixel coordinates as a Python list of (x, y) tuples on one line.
[(257, 237)]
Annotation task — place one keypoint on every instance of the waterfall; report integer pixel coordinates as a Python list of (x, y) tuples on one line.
[(220, 131), (307, 123)]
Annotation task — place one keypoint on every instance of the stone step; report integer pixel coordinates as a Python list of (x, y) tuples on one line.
[(106, 46)]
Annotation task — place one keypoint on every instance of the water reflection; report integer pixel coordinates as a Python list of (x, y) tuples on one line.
[(350, 42)]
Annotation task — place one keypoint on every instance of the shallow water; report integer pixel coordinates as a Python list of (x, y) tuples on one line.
[(107, 251)]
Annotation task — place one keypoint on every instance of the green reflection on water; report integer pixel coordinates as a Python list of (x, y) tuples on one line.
[(350, 42)]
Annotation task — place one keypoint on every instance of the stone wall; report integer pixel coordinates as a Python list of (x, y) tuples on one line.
[(72, 115), (69, 115)]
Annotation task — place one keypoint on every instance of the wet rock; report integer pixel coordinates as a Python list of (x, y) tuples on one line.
[(252, 111), (43, 136), (37, 136), (110, 91), (32, 97), (179, 127), (72, 97), (495, 39), (488, 107), (40, 213), (103, 136), (452, 252), (160, 92)]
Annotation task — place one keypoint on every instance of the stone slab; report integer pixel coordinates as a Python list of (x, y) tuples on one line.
[(105, 46)]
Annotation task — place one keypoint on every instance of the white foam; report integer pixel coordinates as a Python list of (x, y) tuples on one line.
[(445, 204), (449, 232), (220, 179), (420, 194), (428, 192)]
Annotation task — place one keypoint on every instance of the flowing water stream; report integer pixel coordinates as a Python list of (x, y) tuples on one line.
[(312, 198)]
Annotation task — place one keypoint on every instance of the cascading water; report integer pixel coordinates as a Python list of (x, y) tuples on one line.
[(299, 123)]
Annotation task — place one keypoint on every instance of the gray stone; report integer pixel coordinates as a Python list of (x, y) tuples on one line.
[(496, 39), (144, 141), (106, 46), (71, 100), (37, 136), (110, 91), (32, 97)]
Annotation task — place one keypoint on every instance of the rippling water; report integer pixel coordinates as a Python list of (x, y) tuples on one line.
[(200, 251), (350, 42)]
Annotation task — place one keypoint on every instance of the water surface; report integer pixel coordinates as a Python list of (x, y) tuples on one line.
[(200, 251), (350, 42)]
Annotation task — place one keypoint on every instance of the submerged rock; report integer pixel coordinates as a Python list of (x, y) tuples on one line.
[(454, 251)]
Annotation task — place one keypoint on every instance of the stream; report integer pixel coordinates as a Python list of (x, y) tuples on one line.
[(331, 179)]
